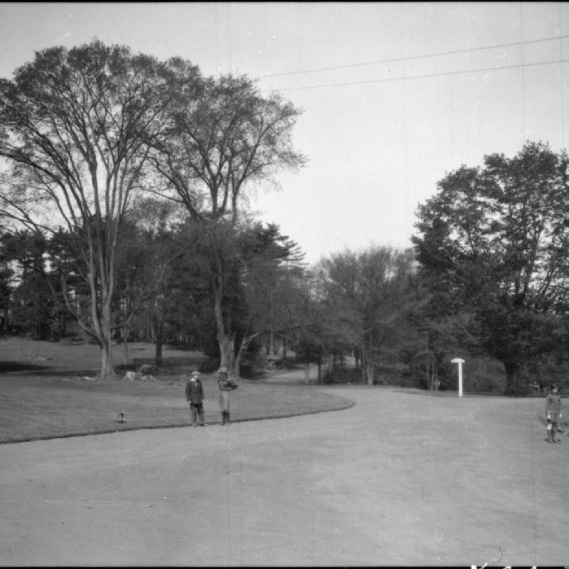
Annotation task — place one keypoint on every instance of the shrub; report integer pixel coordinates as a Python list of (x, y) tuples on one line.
[(211, 365), (342, 375)]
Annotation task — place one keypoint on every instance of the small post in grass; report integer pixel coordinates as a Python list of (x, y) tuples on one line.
[(459, 361)]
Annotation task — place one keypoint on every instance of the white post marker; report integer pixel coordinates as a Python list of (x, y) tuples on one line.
[(459, 362)]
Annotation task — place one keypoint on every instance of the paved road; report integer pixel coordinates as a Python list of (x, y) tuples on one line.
[(401, 478)]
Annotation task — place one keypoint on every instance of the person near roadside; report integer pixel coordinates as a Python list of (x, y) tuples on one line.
[(226, 386), (195, 397), (553, 413)]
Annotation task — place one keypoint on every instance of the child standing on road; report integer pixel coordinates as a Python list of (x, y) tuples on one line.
[(195, 397), (226, 386), (553, 413)]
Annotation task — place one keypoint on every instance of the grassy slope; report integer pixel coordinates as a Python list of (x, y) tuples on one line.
[(44, 393)]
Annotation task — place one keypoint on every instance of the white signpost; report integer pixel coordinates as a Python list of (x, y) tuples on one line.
[(459, 362)]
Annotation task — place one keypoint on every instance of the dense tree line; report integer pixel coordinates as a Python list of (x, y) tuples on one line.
[(493, 247), (123, 208), (88, 134)]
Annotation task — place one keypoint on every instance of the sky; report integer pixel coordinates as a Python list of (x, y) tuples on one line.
[(394, 95)]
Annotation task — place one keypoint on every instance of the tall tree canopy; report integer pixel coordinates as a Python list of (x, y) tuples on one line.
[(227, 138), (368, 292), (495, 242), (87, 132), (74, 126), (223, 135)]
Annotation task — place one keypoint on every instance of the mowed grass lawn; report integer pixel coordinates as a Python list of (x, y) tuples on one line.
[(48, 390)]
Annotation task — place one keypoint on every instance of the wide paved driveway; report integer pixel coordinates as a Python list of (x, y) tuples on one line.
[(401, 478)]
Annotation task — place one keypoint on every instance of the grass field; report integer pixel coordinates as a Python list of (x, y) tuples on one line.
[(49, 390)]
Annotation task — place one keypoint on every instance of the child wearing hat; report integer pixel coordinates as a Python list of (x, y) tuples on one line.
[(195, 397), (226, 386), (553, 413)]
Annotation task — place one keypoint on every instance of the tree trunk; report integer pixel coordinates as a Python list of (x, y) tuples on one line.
[(436, 375), (247, 339), (369, 371), (307, 367), (513, 386), (272, 343), (225, 339), (367, 366), (158, 351), (107, 370), (6, 321), (227, 350), (240, 352), (126, 356), (431, 374), (158, 341), (102, 323)]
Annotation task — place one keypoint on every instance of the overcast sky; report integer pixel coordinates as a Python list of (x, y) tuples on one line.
[(394, 95)]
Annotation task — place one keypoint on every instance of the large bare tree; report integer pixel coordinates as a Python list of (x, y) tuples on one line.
[(74, 127), (224, 136)]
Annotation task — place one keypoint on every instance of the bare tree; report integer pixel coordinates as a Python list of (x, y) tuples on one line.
[(74, 126), (224, 136)]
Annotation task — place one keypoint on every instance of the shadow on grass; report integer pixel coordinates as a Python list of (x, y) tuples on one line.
[(446, 393), (66, 372), (30, 370), (7, 367), (169, 362)]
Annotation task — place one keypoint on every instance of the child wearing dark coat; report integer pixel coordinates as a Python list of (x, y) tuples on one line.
[(195, 397)]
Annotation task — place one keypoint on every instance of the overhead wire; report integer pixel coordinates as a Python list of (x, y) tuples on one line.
[(423, 76), (562, 86), (522, 74), (419, 76), (411, 58)]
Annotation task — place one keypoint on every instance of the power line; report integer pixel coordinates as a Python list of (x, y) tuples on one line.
[(424, 76), (411, 58)]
